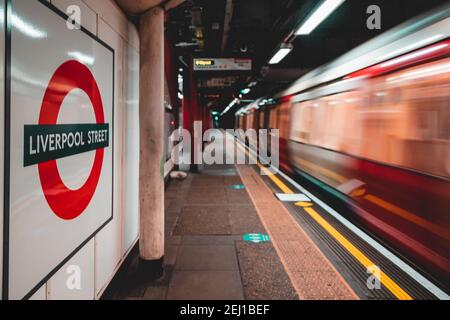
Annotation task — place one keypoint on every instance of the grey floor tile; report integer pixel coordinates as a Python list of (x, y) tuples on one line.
[(155, 293), (207, 257), (205, 240), (170, 254), (205, 285), (203, 220)]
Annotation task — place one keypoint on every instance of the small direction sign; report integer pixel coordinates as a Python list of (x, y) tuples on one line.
[(222, 64), (256, 237)]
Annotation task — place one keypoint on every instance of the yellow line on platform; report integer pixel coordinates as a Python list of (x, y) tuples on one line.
[(390, 284), (276, 180)]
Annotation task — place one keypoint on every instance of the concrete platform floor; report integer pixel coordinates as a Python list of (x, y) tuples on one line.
[(206, 217)]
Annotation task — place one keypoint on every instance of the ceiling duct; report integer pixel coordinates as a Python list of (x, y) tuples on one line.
[(196, 14)]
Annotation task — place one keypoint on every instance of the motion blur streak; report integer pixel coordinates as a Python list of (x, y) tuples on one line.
[(387, 127), (391, 285)]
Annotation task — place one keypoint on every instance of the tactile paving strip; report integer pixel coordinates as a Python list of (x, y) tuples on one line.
[(312, 275)]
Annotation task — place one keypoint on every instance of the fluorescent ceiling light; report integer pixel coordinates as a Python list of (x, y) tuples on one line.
[(281, 54), (327, 7), (231, 105)]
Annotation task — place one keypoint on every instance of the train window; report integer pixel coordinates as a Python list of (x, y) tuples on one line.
[(417, 131), (273, 118), (393, 119), (284, 120)]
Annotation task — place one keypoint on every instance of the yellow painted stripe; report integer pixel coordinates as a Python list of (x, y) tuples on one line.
[(390, 284), (275, 180)]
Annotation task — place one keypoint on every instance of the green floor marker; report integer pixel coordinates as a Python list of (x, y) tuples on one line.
[(256, 237), (237, 187)]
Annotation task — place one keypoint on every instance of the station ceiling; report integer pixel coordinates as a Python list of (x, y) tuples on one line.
[(255, 28)]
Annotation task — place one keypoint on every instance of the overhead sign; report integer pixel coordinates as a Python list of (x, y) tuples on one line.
[(61, 144), (222, 82), (222, 64)]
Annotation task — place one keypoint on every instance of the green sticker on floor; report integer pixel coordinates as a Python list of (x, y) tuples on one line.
[(256, 237), (237, 187)]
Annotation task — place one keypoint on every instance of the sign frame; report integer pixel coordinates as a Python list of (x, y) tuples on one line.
[(7, 149), (222, 64)]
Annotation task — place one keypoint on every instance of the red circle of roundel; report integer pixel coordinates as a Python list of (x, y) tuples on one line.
[(66, 203)]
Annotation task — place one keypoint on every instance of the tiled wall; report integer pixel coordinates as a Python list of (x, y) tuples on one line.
[(102, 256)]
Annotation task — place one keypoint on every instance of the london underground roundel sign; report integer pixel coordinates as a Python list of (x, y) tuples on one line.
[(60, 148), (66, 203)]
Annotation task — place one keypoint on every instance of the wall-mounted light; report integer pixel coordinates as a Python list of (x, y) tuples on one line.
[(319, 15), (245, 91), (282, 52), (231, 105)]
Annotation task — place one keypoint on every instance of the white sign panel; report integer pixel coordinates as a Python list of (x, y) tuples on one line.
[(60, 143), (219, 64)]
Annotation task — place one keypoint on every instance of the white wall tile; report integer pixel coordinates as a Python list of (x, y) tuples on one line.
[(41, 294), (108, 242), (131, 148), (110, 12), (133, 36)]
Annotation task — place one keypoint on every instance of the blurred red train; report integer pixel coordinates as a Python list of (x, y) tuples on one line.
[(374, 128)]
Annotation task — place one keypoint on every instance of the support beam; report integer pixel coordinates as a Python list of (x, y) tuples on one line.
[(151, 115), (191, 109), (226, 23)]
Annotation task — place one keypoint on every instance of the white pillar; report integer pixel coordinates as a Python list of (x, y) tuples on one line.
[(151, 115)]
